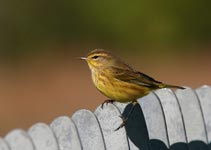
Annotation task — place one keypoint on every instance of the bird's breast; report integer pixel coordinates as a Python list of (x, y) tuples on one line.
[(116, 89)]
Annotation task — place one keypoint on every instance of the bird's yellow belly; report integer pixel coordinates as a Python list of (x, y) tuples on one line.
[(121, 91)]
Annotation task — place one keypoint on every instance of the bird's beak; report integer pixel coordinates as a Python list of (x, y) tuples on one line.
[(83, 58)]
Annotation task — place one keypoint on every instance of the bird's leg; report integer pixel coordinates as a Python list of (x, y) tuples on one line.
[(131, 110), (124, 119), (106, 102)]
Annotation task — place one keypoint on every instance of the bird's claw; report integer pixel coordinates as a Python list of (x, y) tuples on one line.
[(124, 121), (106, 102)]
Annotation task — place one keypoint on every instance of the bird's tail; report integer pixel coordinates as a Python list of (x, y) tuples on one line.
[(171, 86)]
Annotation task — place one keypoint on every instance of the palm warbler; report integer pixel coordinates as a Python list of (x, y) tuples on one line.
[(118, 81)]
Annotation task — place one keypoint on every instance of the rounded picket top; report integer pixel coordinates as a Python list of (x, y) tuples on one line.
[(204, 95), (154, 118), (66, 133), (173, 116), (4, 145), (109, 120), (19, 140), (88, 129), (122, 107), (190, 107), (43, 137), (204, 87)]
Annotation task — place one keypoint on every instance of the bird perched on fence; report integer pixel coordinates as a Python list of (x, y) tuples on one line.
[(118, 81)]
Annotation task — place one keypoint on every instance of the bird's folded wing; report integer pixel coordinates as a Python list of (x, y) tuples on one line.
[(131, 76)]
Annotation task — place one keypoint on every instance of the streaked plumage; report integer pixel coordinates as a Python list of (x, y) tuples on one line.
[(117, 80)]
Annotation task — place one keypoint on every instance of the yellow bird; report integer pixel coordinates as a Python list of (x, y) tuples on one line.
[(118, 81)]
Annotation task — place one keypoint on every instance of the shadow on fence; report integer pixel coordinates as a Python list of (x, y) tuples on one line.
[(137, 132)]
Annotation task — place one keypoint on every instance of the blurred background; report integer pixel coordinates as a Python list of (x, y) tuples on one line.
[(40, 41)]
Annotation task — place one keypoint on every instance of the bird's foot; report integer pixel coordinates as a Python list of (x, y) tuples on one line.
[(106, 102), (124, 121)]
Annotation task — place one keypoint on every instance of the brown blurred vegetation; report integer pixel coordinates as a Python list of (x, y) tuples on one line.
[(40, 41)]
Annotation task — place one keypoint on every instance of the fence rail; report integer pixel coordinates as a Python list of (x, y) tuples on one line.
[(179, 120)]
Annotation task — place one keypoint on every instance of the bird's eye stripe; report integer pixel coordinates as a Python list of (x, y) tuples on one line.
[(95, 57)]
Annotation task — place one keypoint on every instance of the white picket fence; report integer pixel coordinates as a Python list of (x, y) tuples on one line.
[(165, 119)]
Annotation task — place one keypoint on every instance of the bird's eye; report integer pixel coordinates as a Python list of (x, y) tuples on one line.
[(95, 57)]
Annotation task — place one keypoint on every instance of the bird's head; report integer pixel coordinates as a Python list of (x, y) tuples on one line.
[(99, 58)]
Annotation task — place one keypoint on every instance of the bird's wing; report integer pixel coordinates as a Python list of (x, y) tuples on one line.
[(131, 76)]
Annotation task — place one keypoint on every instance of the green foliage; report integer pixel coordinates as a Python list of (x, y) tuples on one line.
[(25, 24)]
